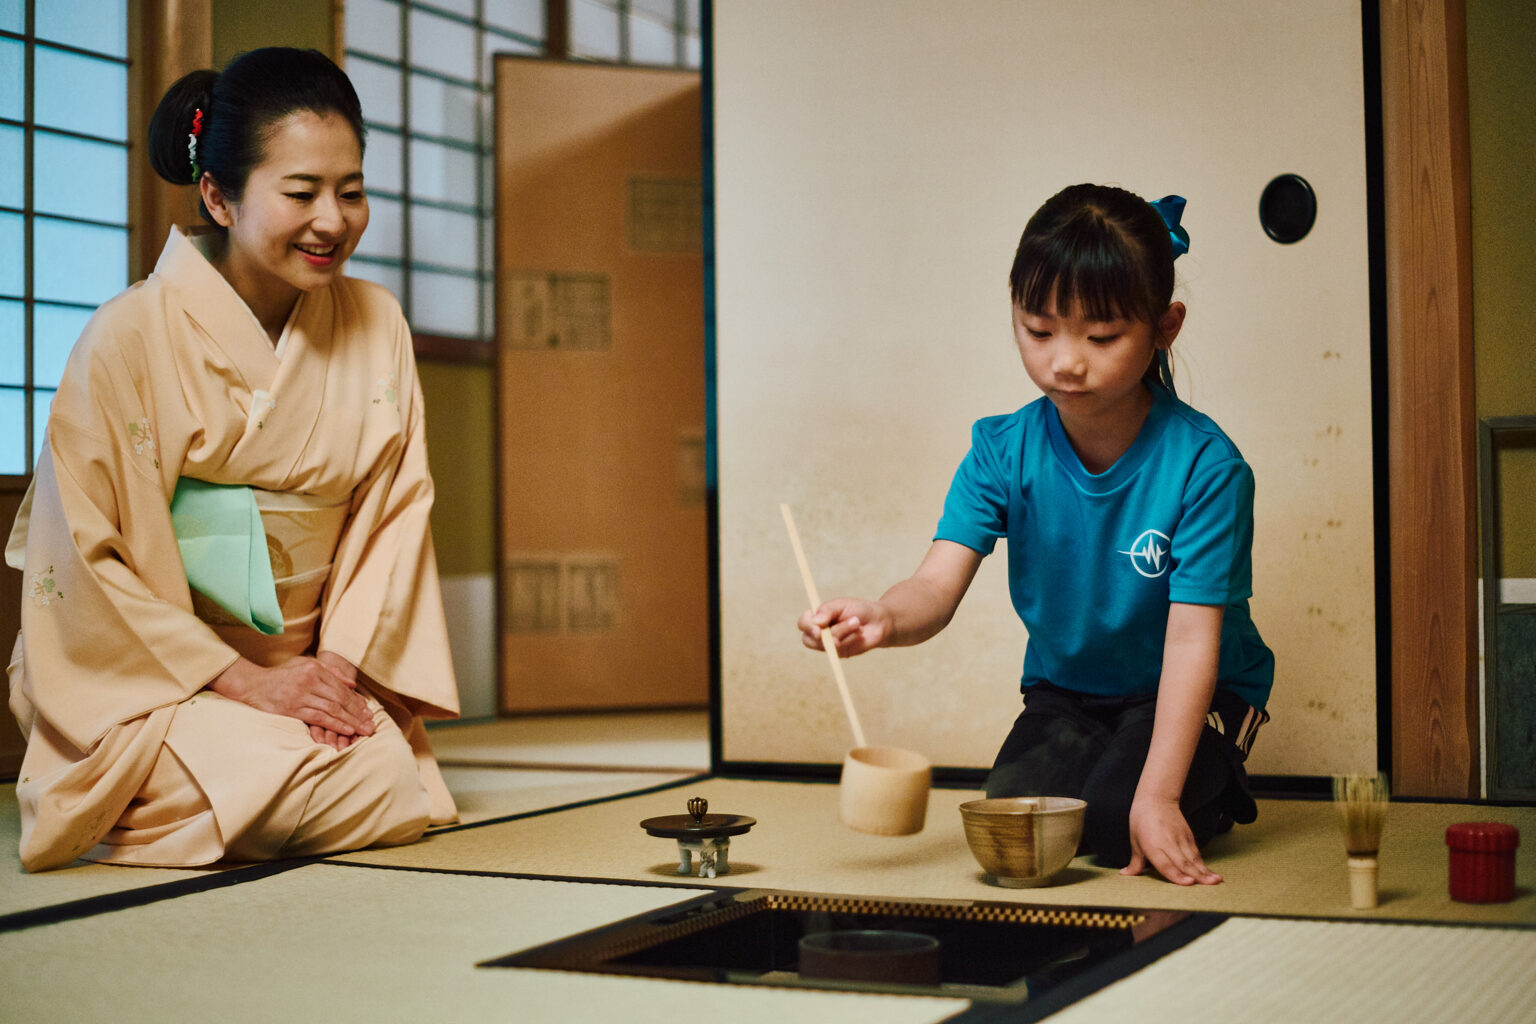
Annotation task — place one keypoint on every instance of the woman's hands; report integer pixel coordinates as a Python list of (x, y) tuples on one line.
[(321, 692)]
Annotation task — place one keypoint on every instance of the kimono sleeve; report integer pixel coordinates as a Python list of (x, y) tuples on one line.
[(383, 611), (107, 629)]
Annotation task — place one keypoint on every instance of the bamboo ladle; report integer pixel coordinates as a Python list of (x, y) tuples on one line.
[(883, 790)]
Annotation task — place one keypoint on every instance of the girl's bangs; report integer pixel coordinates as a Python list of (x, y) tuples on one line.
[(1091, 274)]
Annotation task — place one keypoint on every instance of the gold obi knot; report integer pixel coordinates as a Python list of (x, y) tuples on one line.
[(303, 532)]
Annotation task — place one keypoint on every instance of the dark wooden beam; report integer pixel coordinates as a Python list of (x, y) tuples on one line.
[(557, 32), (443, 349)]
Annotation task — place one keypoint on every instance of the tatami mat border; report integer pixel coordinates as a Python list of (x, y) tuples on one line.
[(127, 899), (661, 787), (528, 876), (561, 766)]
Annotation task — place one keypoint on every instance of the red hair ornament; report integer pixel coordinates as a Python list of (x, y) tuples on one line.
[(197, 129)]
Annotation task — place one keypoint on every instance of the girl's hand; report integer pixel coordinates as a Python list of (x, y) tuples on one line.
[(316, 691), (857, 626), (1161, 837)]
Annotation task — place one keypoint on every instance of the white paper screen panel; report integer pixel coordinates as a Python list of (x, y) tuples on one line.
[(875, 163)]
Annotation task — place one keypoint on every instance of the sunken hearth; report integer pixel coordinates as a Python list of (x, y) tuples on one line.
[(989, 952)]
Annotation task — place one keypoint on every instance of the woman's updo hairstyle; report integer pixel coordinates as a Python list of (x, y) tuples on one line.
[(1101, 250), (240, 106)]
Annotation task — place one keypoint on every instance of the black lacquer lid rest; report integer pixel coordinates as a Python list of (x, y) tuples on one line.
[(697, 823)]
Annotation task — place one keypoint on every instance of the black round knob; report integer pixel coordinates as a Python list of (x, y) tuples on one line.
[(1288, 208)]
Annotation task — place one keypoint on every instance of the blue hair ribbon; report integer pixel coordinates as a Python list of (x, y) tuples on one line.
[(1171, 209)]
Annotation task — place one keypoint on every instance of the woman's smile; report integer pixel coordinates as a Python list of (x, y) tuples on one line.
[(318, 255), (301, 215)]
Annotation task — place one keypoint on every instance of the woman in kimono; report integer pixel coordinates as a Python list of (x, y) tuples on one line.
[(232, 628)]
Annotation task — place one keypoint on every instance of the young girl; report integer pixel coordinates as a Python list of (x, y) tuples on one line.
[(246, 395), (1129, 521)]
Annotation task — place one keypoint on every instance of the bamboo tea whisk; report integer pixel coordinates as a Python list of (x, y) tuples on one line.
[(1362, 803)]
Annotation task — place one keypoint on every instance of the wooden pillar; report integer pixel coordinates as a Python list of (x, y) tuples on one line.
[(1431, 448), (557, 29), (166, 39), (338, 50)]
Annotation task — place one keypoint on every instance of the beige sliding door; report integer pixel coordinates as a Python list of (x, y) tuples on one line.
[(600, 387)]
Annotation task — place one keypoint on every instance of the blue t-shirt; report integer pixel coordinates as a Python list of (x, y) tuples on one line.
[(1095, 559)]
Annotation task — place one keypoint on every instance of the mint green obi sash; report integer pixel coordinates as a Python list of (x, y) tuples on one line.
[(224, 551)]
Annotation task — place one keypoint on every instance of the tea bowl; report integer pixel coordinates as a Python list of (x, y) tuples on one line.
[(1022, 841)]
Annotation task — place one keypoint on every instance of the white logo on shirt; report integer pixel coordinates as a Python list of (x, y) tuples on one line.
[(1149, 555)]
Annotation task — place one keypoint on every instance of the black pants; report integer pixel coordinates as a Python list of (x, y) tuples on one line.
[(1073, 744)]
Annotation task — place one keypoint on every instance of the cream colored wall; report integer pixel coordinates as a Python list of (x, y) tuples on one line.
[(875, 162), (460, 428)]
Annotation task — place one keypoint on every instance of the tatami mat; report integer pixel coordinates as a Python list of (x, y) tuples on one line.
[(644, 740), (1261, 970), (1289, 863), (482, 794), (334, 943), (20, 891), (357, 938), (494, 769)]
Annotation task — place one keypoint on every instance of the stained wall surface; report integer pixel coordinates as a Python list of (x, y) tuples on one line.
[(868, 201)]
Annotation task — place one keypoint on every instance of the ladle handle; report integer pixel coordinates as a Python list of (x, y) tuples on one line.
[(827, 643)]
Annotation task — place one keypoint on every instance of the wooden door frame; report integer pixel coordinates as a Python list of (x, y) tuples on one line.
[(1429, 719), (166, 39), (1431, 415)]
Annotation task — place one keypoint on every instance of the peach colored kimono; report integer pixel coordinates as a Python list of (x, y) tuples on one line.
[(129, 759)]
